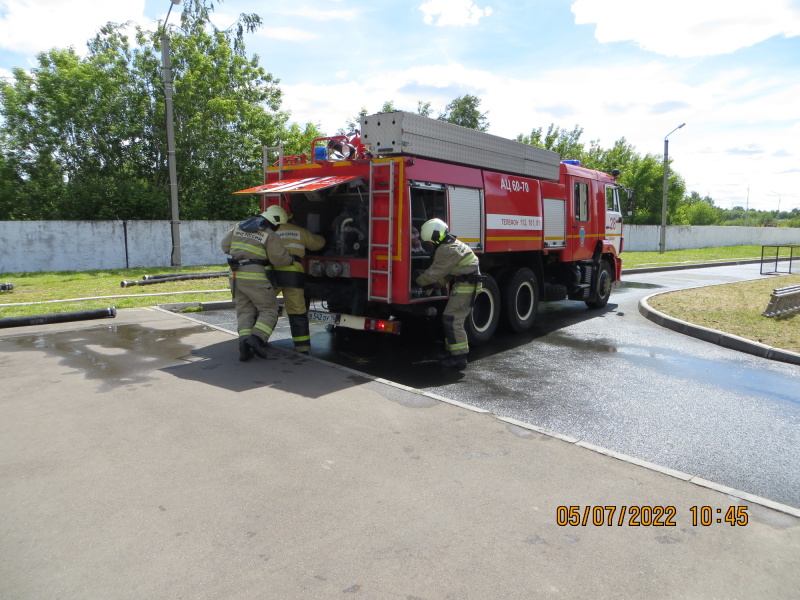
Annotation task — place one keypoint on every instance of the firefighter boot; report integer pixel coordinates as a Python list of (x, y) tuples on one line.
[(245, 351), (300, 332), (257, 345), (455, 362)]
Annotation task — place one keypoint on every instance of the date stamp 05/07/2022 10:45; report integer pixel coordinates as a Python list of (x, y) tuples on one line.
[(647, 516)]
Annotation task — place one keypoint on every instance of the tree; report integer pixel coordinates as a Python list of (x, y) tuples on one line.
[(297, 139), (702, 213), (83, 138), (226, 110), (557, 139), (464, 111)]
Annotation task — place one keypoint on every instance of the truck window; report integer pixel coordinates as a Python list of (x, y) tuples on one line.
[(581, 201), (612, 199)]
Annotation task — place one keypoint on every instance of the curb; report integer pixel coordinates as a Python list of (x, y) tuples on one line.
[(726, 340)]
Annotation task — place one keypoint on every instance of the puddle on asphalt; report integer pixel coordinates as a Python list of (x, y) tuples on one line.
[(116, 355), (721, 373)]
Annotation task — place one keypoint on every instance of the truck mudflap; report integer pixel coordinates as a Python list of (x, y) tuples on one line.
[(355, 322)]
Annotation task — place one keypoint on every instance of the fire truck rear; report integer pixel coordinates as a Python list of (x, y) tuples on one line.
[(542, 228)]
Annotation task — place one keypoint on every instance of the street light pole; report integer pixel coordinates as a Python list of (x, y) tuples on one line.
[(662, 246), (166, 69)]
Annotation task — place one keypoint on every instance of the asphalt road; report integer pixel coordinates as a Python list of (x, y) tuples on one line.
[(614, 379)]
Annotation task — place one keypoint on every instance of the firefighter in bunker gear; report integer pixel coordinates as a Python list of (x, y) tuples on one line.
[(290, 280), (453, 261), (254, 246)]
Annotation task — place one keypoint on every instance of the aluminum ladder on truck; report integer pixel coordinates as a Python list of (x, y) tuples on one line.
[(380, 237)]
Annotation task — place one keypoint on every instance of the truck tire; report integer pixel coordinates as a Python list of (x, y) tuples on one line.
[(602, 291), (520, 297), (481, 323)]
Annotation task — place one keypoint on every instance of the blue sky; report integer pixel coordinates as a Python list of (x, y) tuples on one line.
[(618, 68)]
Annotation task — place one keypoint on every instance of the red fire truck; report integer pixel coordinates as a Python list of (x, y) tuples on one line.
[(543, 229)]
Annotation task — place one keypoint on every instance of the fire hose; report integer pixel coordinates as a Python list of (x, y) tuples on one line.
[(168, 278), (185, 275), (81, 315)]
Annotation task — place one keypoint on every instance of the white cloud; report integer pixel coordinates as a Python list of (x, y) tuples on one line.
[(30, 26), (453, 12), (687, 28)]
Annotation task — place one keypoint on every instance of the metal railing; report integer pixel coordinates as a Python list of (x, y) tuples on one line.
[(777, 248)]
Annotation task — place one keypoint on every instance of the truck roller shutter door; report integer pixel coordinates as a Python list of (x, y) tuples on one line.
[(466, 215), (555, 223)]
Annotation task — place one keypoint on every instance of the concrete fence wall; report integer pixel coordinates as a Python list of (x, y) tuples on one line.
[(30, 246), (89, 245), (646, 238)]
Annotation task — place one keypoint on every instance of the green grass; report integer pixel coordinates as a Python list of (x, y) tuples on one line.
[(633, 260), (736, 308), (66, 285)]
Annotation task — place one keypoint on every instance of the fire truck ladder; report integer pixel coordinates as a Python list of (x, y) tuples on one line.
[(381, 248), (265, 150)]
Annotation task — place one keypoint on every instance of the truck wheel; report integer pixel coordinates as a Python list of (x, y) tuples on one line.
[(481, 323), (602, 292), (520, 300)]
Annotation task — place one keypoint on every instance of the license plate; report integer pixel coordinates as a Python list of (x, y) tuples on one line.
[(323, 317)]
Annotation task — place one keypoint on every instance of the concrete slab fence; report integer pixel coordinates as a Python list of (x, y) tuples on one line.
[(31, 246)]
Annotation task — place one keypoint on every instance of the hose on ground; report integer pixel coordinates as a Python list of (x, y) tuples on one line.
[(175, 278), (81, 315), (186, 275)]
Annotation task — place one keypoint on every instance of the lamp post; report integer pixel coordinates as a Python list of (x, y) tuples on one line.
[(166, 70), (663, 243)]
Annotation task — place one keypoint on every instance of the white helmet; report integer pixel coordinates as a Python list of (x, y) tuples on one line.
[(276, 215), (434, 231)]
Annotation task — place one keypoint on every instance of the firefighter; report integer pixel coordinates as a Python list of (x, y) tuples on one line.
[(254, 246), (453, 261), (291, 279)]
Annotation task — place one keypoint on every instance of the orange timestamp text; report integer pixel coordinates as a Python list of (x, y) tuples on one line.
[(647, 516)]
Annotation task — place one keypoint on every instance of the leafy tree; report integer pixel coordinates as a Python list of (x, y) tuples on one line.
[(702, 213), (464, 111), (226, 110), (297, 139), (84, 138), (566, 143)]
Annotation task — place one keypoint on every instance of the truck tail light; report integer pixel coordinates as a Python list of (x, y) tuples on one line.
[(382, 326)]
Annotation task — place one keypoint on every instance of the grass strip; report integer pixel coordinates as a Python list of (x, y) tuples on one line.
[(736, 308)]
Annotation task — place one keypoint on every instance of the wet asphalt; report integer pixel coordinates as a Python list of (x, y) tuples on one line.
[(610, 378)]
